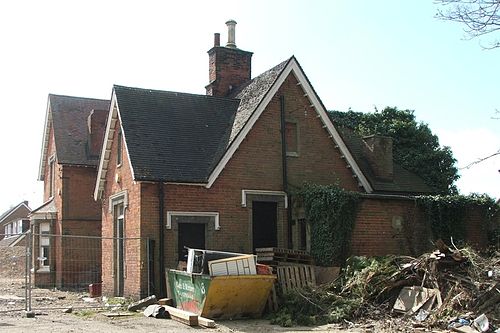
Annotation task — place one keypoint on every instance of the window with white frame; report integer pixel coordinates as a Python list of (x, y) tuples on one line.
[(44, 255)]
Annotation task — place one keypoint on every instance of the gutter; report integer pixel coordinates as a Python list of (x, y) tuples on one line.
[(285, 172), (161, 246)]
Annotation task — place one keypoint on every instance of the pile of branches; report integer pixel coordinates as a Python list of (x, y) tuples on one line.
[(467, 281)]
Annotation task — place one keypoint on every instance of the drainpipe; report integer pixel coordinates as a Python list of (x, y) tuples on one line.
[(285, 171), (161, 247)]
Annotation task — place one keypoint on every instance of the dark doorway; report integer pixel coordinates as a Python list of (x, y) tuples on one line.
[(191, 235), (264, 224), (119, 249)]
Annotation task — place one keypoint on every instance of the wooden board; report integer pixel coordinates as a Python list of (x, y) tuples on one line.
[(166, 301), (205, 322), (182, 316)]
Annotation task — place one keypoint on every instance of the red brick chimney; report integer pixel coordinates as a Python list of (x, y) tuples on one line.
[(96, 123), (229, 67), (378, 152)]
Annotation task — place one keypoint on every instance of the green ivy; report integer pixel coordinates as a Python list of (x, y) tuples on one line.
[(331, 212), (446, 213)]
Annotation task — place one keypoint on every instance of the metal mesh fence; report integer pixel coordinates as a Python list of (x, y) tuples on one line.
[(45, 271)]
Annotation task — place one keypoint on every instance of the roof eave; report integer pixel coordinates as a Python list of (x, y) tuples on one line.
[(45, 141)]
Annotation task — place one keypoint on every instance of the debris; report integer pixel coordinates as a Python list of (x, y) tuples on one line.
[(433, 288), (482, 323), (464, 329), (411, 299), (95, 289), (155, 310), (205, 322), (182, 316), (142, 303), (166, 301), (117, 314), (89, 300), (68, 310)]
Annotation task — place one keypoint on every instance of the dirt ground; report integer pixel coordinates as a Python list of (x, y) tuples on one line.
[(93, 315)]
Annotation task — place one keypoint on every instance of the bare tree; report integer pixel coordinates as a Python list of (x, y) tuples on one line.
[(481, 17)]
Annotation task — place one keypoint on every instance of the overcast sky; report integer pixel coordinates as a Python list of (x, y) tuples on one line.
[(357, 54)]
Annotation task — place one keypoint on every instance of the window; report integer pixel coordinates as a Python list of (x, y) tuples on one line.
[(292, 139), (119, 149), (44, 255), (51, 176)]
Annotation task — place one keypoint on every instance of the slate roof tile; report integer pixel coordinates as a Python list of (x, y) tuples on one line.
[(174, 136)]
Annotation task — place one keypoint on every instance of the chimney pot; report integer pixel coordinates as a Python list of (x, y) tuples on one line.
[(231, 35), (216, 39)]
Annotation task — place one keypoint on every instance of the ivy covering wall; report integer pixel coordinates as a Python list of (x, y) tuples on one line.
[(331, 212), (446, 214)]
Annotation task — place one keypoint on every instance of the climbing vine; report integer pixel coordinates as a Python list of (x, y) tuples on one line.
[(446, 213), (331, 212)]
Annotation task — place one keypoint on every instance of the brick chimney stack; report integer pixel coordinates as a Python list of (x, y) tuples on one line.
[(229, 67)]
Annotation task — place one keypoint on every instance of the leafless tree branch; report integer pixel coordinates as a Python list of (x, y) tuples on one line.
[(480, 17), (479, 160)]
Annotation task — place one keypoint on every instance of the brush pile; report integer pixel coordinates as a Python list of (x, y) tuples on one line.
[(458, 284)]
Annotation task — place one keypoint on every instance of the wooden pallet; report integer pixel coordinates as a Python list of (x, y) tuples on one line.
[(295, 276), (275, 256)]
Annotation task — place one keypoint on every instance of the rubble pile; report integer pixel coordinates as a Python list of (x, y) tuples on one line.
[(446, 288)]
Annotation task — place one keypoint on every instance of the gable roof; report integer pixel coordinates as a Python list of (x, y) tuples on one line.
[(258, 101), (68, 115), (12, 211), (186, 138), (403, 181)]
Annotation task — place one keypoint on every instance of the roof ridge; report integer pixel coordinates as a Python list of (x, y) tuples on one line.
[(79, 97), (173, 92)]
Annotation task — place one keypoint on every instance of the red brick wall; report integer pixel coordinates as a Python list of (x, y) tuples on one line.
[(133, 248), (77, 194), (77, 214), (375, 234)]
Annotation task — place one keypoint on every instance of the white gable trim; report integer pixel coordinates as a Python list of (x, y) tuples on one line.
[(113, 117), (291, 67), (13, 210), (45, 141)]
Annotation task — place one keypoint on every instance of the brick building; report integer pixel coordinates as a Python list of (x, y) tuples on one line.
[(218, 171), (72, 139)]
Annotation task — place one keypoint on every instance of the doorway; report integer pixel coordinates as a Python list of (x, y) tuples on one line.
[(119, 249), (191, 235), (264, 224)]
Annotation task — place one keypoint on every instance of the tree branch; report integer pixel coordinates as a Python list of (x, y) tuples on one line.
[(479, 160)]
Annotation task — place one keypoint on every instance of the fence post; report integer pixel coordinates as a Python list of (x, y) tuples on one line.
[(27, 275)]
